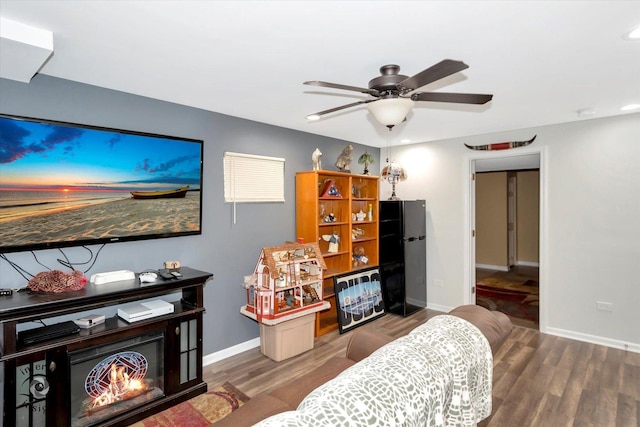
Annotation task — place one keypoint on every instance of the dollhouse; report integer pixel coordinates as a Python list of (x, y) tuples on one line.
[(286, 284)]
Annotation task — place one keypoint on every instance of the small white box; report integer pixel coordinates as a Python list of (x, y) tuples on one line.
[(89, 321), (112, 276), (134, 312), (159, 307), (145, 310)]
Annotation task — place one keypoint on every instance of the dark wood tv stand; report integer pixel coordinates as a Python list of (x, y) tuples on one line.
[(51, 358)]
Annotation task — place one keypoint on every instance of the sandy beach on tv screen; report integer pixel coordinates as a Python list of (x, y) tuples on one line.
[(117, 218)]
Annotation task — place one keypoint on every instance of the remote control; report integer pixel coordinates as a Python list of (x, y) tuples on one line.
[(166, 275), (176, 274), (6, 292)]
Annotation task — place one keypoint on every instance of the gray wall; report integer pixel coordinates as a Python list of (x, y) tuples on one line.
[(228, 250)]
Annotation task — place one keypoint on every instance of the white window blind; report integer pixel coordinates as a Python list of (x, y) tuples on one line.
[(250, 178)]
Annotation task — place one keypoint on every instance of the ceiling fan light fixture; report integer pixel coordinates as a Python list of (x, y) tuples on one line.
[(630, 107), (390, 111), (633, 34)]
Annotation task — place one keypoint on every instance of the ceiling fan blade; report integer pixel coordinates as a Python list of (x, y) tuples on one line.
[(436, 72), (342, 107), (462, 98), (343, 87)]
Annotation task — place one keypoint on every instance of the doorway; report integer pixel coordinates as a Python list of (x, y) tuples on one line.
[(505, 206)]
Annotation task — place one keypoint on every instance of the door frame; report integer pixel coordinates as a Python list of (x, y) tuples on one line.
[(470, 216), (512, 218)]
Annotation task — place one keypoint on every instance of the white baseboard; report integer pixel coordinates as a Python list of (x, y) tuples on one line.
[(231, 351), (594, 339), (493, 267), (438, 307), (528, 264)]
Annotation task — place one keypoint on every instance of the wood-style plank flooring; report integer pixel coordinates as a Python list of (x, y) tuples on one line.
[(539, 380)]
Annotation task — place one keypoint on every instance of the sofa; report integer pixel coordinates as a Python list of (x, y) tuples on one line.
[(381, 372)]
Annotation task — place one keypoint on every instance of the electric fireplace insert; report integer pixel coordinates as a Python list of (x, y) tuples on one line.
[(110, 379)]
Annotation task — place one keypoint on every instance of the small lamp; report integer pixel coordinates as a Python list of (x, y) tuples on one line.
[(394, 173)]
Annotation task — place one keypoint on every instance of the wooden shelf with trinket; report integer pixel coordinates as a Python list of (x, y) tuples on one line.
[(329, 203)]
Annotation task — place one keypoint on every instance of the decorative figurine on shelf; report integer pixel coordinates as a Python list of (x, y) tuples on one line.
[(330, 218), (366, 159), (316, 160), (344, 159), (356, 233), (359, 258), (329, 189), (333, 240), (360, 216)]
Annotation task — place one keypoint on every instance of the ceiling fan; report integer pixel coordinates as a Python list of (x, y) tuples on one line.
[(393, 93)]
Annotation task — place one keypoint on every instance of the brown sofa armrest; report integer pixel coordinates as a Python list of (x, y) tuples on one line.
[(255, 410), (364, 342), (494, 325)]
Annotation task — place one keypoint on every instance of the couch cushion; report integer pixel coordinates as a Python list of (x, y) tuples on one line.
[(494, 325), (256, 409), (293, 392)]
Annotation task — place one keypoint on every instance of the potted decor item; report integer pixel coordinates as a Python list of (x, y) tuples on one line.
[(366, 159)]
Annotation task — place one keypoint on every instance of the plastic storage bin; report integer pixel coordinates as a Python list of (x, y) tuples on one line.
[(287, 339)]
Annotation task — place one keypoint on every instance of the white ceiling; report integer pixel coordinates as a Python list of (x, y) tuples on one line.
[(542, 60)]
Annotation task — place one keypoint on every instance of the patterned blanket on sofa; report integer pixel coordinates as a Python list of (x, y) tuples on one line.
[(438, 375)]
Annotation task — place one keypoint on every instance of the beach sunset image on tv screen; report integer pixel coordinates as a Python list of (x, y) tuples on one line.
[(65, 185)]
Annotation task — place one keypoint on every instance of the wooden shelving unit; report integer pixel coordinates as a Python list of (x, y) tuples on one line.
[(320, 212)]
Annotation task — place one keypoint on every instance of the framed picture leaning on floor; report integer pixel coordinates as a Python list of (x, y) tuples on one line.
[(358, 298)]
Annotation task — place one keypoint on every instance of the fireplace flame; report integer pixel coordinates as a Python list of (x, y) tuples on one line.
[(120, 386)]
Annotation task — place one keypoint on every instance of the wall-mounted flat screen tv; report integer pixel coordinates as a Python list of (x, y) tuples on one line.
[(64, 184)]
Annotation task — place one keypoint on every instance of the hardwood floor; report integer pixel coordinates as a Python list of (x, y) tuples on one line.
[(539, 380), (543, 380)]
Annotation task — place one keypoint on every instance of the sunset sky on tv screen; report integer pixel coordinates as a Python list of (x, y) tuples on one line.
[(52, 157)]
